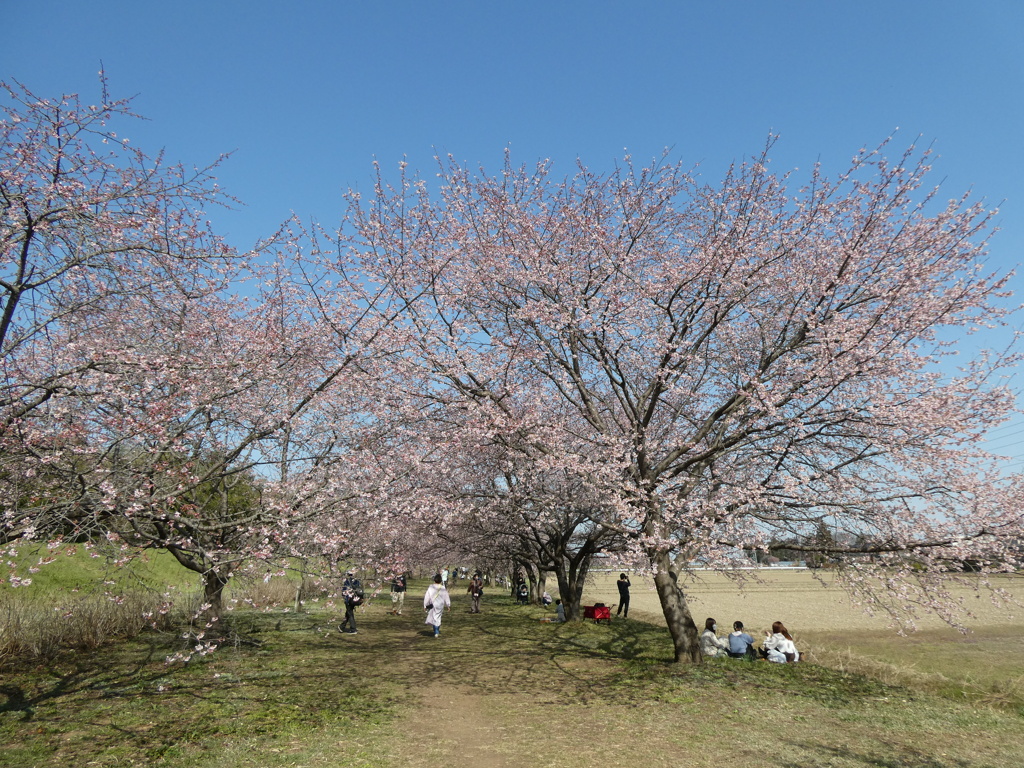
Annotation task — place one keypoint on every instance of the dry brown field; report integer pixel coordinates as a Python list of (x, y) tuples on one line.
[(987, 660), (798, 599)]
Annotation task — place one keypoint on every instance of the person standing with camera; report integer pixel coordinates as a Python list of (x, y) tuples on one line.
[(623, 585)]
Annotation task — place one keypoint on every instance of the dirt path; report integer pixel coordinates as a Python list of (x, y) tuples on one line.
[(452, 725), (452, 721), (487, 715)]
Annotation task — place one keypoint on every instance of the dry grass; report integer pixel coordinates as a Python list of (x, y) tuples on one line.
[(983, 665), (801, 601), (39, 622), (42, 628), (276, 592)]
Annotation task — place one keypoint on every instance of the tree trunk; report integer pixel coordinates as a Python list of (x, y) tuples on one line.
[(542, 585), (213, 593), (569, 597), (531, 578), (571, 578), (677, 614), (303, 565)]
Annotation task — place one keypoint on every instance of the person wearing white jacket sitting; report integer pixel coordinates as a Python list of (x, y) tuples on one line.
[(710, 643), (778, 645)]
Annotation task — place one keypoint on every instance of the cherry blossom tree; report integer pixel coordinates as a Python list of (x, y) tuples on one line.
[(543, 521), (727, 365), (159, 390), (96, 238), (703, 370), (87, 222)]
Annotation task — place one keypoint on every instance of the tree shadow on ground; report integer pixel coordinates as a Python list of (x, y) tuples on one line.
[(304, 674), (75, 674), (124, 698), (898, 756)]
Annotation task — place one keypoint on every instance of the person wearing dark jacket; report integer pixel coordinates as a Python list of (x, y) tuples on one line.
[(352, 594), (623, 585)]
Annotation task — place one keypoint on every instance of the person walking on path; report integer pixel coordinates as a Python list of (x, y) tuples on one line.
[(352, 594), (434, 602), (476, 589), (397, 594), (623, 585)]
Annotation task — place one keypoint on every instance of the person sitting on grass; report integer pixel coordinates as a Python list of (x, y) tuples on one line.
[(740, 643), (710, 643), (559, 611), (778, 645)]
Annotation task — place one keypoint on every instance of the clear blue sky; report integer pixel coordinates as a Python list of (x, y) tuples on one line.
[(307, 94)]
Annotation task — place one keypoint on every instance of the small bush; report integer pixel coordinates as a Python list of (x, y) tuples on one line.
[(276, 592), (32, 627)]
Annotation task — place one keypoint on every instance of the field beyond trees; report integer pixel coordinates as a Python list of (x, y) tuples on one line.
[(983, 663), (505, 689)]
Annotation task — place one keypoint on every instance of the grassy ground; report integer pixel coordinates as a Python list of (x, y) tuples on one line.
[(497, 689), (74, 568)]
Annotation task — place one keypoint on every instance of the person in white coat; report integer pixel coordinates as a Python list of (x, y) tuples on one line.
[(434, 602), (778, 645), (710, 643)]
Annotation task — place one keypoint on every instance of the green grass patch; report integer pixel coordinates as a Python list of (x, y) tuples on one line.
[(74, 568)]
